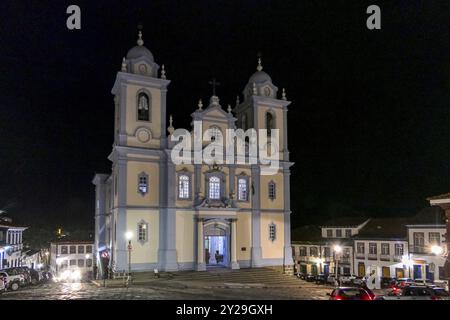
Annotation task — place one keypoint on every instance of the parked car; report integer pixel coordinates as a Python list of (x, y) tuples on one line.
[(413, 292), (404, 282), (349, 293), (321, 279), (388, 282), (14, 279), (3, 281), (310, 278), (358, 281), (347, 278)]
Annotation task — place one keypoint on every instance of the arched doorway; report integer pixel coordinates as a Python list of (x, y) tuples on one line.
[(217, 243)]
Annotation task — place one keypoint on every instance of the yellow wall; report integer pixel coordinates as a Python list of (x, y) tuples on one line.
[(244, 236), (278, 202), (151, 198), (185, 236), (275, 249), (147, 252)]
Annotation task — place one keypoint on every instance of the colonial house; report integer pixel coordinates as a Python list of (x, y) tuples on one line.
[(322, 249), (10, 243), (389, 247), (380, 247), (71, 255), (443, 201)]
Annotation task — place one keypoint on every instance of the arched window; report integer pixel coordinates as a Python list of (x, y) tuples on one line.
[(269, 123), (214, 188), (244, 122), (183, 187), (143, 107), (242, 189)]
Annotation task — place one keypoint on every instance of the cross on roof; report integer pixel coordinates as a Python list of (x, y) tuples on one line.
[(214, 83)]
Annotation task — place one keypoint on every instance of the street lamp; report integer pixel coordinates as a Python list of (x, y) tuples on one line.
[(128, 236), (337, 250), (437, 250)]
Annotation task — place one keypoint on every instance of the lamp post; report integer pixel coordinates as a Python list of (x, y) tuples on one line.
[(128, 236), (337, 250)]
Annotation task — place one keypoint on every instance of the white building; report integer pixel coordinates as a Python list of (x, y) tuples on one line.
[(71, 255), (10, 243), (411, 247), (315, 251)]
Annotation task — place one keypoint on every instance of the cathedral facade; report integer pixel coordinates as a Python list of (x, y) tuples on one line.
[(152, 213)]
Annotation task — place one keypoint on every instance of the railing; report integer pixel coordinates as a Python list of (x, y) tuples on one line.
[(417, 249), (372, 256), (397, 258), (360, 256)]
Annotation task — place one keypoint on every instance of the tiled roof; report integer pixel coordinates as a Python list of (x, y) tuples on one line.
[(345, 222), (384, 228), (439, 197), (306, 233)]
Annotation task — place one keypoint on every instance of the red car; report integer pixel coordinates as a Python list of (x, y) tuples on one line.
[(351, 293)]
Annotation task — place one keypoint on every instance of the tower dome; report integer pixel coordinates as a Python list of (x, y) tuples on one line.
[(259, 76), (140, 50)]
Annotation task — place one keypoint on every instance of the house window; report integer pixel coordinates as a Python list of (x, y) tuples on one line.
[(142, 183), (80, 249), (372, 248), (214, 188), (338, 233), (348, 233), (88, 263), (80, 263), (73, 262), (63, 249), (399, 249), (435, 238), (272, 190), (143, 107), (73, 249), (327, 252), (360, 248), (88, 249), (385, 249), (313, 252), (272, 232), (329, 233), (302, 252), (142, 231), (419, 242), (242, 189), (183, 186)]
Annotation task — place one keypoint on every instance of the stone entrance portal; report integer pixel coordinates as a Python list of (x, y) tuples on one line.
[(216, 243)]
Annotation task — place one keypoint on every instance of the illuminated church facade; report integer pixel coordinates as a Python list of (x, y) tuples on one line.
[(189, 216)]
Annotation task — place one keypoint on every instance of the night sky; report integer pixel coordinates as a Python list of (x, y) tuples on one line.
[(369, 123)]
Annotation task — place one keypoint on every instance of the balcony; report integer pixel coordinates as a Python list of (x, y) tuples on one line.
[(372, 256), (360, 256), (398, 258), (385, 257), (417, 249)]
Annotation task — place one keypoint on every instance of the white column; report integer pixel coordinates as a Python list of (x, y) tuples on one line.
[(234, 263), (201, 266)]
